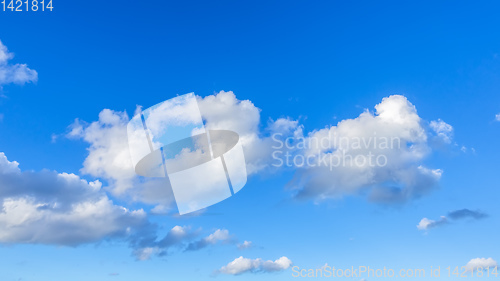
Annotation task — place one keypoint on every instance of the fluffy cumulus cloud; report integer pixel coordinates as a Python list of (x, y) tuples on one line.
[(377, 153), (109, 159), (109, 155), (480, 264), (244, 265), (456, 215), (58, 208), (14, 73)]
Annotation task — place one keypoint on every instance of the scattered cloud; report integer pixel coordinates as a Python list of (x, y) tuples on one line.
[(497, 117), (245, 245), (426, 223), (244, 265), (14, 73), (480, 264), (180, 238), (443, 130), (220, 235)]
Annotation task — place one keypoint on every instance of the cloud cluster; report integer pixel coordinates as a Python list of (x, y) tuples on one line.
[(14, 73), (480, 264), (244, 265), (456, 215), (58, 208), (402, 177)]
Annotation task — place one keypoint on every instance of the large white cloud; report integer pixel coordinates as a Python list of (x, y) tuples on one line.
[(14, 73), (244, 265), (380, 154), (58, 208), (109, 156), (480, 264)]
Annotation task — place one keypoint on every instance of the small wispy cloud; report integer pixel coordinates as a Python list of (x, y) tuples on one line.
[(14, 73), (220, 235), (426, 224), (245, 245)]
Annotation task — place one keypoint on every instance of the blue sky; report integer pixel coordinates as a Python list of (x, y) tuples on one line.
[(311, 64)]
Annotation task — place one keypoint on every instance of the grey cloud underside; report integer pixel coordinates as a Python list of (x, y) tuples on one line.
[(47, 207), (466, 213)]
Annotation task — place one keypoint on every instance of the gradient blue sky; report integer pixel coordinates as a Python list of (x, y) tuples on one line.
[(318, 62)]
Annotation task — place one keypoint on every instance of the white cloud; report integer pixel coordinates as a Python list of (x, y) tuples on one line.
[(426, 223), (58, 208), (480, 264), (109, 159), (219, 235), (144, 254), (245, 245), (14, 73), (395, 134), (109, 156), (224, 111), (443, 130), (243, 265), (497, 117)]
